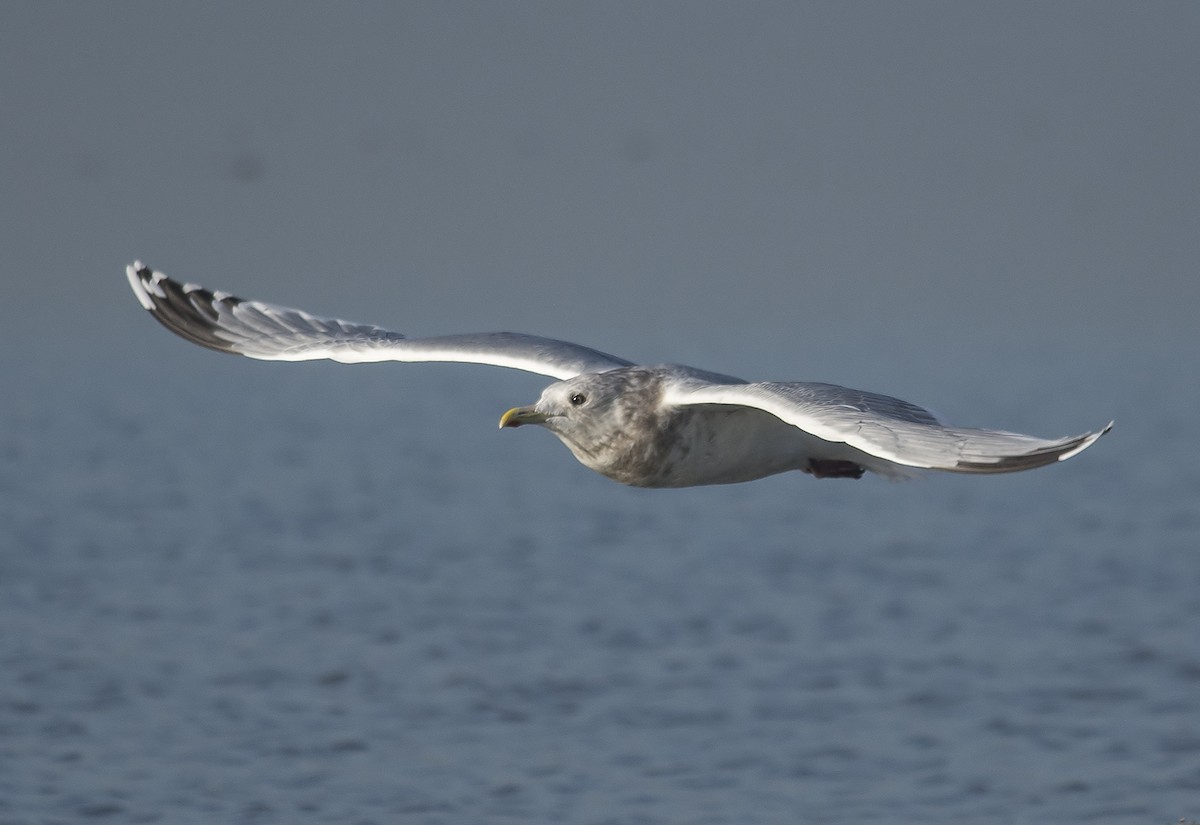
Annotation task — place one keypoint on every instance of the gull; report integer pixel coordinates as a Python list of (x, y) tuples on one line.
[(646, 426)]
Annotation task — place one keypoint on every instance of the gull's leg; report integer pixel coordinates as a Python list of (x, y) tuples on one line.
[(832, 468)]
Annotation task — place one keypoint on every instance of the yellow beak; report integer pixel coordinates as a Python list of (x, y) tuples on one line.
[(521, 415)]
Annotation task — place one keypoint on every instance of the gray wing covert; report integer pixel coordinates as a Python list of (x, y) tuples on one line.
[(226, 323)]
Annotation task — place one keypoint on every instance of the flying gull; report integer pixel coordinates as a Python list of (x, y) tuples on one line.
[(647, 426)]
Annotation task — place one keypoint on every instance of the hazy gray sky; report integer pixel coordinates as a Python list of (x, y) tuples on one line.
[(778, 171)]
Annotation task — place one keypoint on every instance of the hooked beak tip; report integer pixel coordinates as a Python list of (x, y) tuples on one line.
[(509, 419), (521, 415)]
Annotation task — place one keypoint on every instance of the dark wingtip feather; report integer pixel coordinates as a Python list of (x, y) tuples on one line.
[(187, 310)]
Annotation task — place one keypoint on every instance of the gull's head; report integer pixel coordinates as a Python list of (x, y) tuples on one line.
[(599, 416), (573, 405)]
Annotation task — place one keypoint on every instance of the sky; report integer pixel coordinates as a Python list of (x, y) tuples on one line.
[(817, 190)]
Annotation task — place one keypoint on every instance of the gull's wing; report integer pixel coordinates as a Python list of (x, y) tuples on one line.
[(268, 332), (887, 427)]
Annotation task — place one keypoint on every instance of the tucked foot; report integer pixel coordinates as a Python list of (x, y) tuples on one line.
[(832, 468)]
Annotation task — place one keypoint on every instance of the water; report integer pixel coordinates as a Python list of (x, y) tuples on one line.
[(236, 596)]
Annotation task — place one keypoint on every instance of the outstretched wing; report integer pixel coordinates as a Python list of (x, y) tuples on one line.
[(220, 321), (887, 427)]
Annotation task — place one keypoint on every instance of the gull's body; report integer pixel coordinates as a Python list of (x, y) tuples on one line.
[(648, 426)]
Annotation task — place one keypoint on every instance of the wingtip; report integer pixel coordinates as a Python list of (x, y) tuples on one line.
[(139, 275), (1087, 441)]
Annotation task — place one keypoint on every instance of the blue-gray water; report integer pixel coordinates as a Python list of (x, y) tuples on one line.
[(274, 593), (269, 593)]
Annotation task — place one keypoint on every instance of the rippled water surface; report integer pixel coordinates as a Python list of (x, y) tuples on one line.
[(236, 597)]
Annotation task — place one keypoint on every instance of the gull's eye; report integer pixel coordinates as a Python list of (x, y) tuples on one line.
[(578, 399)]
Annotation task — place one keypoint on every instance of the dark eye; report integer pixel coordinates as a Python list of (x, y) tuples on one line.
[(577, 399)]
